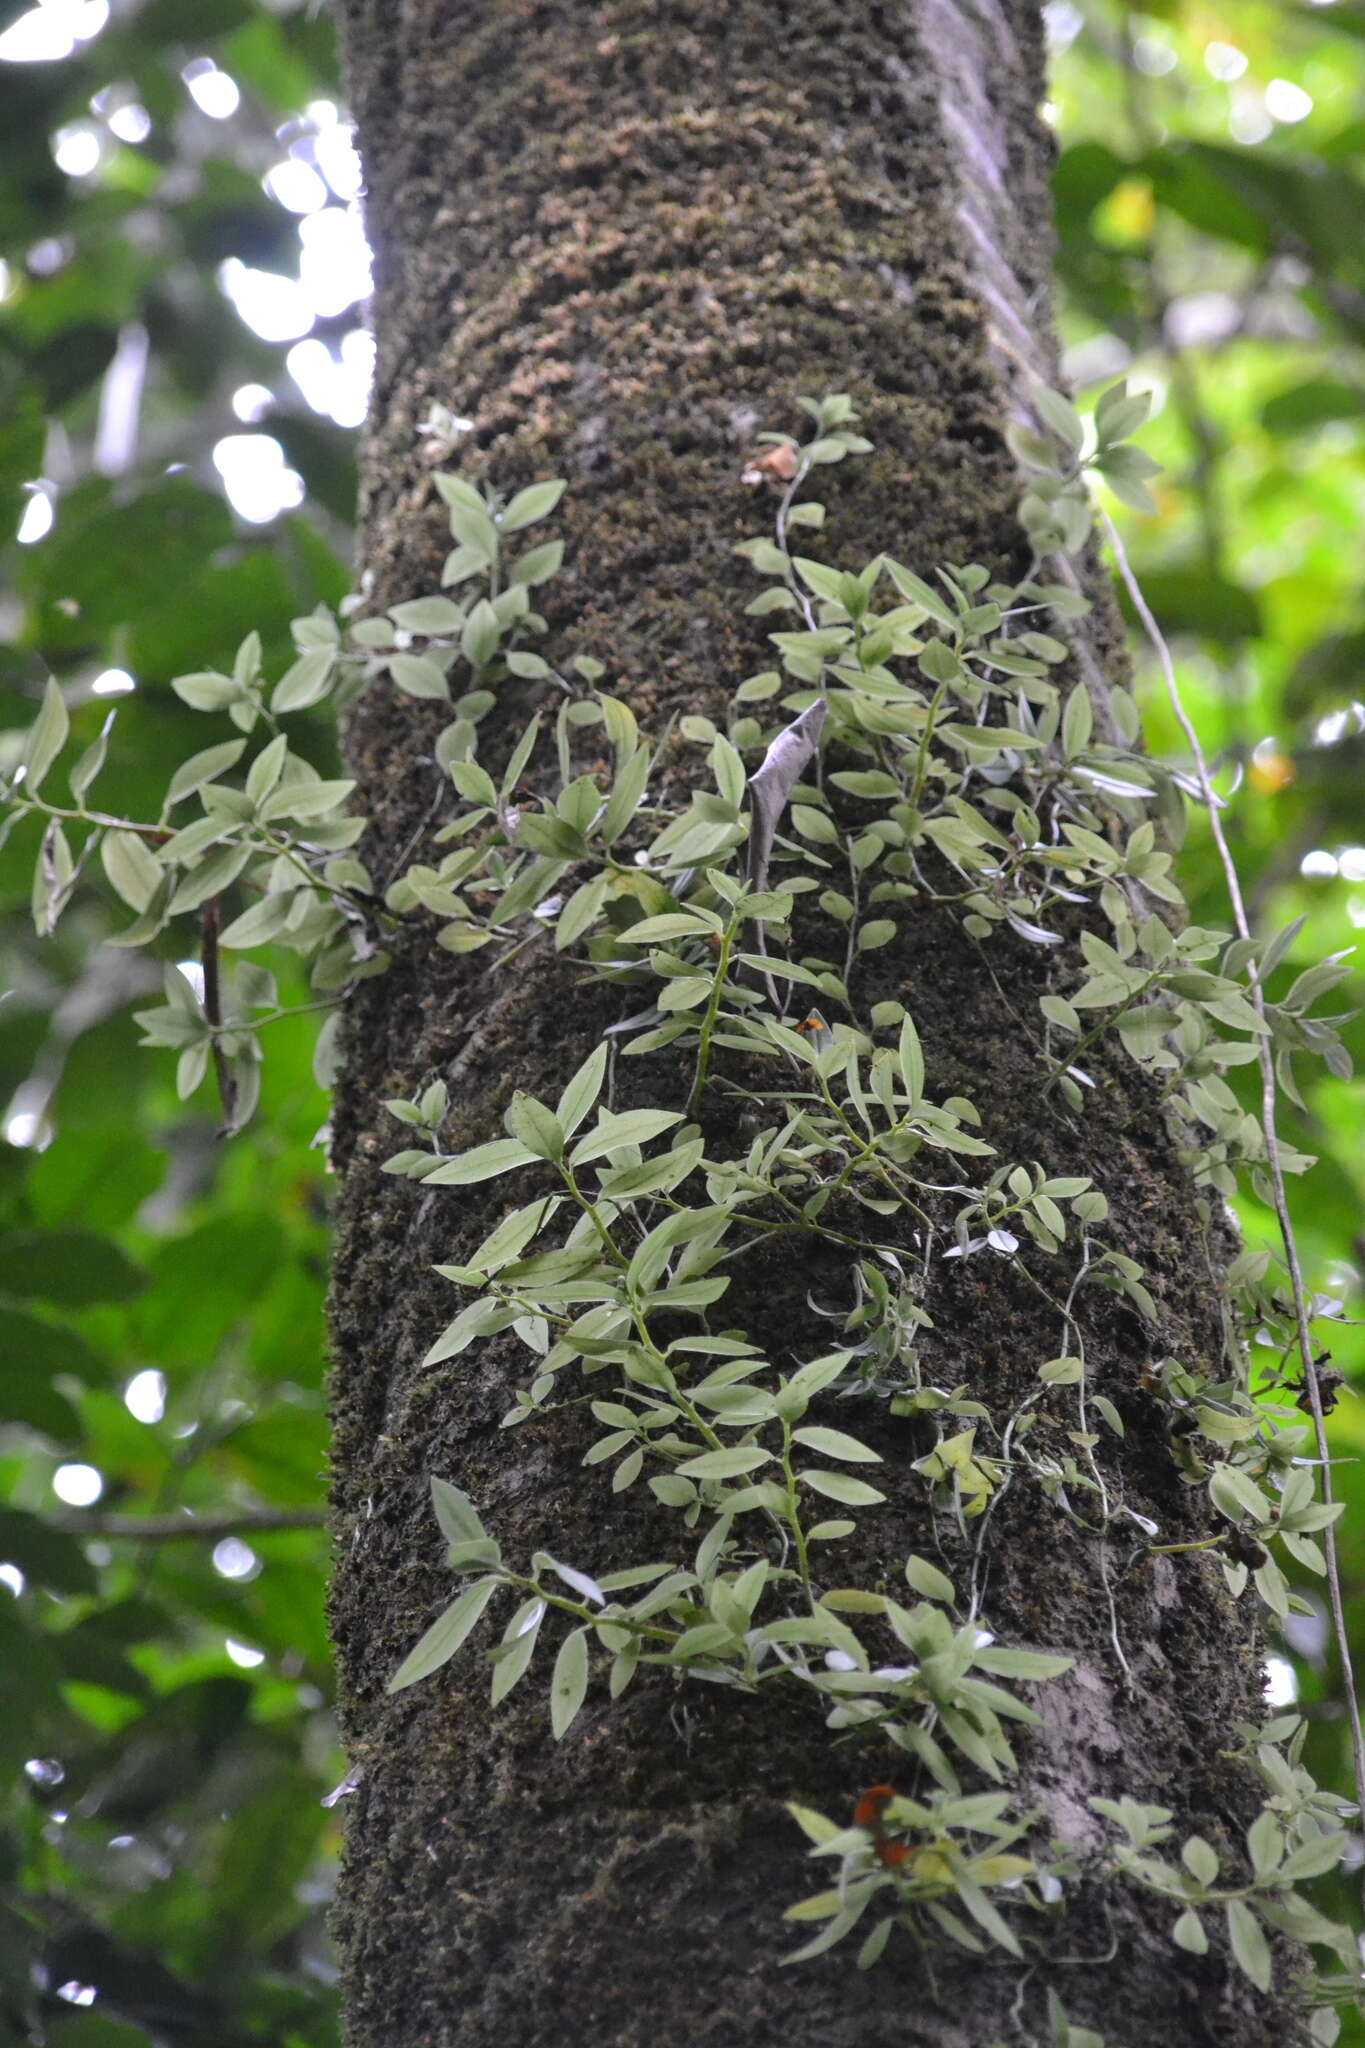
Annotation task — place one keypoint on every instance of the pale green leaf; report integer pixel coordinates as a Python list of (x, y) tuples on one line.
[(630, 1127), (537, 501), (445, 1635), (1249, 1945), (132, 867), (535, 1126), (926, 1578), (582, 1091), (47, 736), (306, 682), (203, 767), (834, 1443), (419, 675), (725, 1464), (427, 615), (911, 1059), (456, 1513), (569, 1684), (841, 1486), (483, 1163)]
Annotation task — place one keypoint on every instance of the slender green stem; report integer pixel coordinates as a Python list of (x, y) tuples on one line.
[(783, 510), (589, 1208), (855, 890), (926, 737), (1183, 1898), (637, 1314), (1107, 1023), (537, 931), (274, 1016), (868, 1153), (793, 1517), (712, 1011), (582, 1612), (285, 850), (84, 817)]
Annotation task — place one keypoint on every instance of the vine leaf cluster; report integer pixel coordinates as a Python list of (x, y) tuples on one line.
[(913, 742)]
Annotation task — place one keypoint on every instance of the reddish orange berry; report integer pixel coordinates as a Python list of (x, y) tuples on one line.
[(868, 1812), (890, 1853)]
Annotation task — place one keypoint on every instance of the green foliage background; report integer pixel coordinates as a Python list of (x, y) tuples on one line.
[(168, 1840)]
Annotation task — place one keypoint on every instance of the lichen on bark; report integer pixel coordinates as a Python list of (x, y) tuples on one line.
[(621, 239)]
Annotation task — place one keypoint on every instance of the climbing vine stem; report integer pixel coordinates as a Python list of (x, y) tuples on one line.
[(1269, 1097)]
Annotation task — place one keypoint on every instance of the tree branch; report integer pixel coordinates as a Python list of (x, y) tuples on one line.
[(171, 1528)]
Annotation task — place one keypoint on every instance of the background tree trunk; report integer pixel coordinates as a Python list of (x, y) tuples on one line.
[(622, 239)]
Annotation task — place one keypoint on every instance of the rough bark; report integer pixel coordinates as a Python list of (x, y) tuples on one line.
[(621, 238)]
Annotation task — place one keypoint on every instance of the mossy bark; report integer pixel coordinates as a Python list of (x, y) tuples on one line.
[(622, 239)]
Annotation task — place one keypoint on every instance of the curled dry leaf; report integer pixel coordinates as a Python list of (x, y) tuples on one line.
[(775, 464), (773, 782), (770, 786)]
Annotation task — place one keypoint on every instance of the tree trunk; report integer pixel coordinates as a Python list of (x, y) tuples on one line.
[(623, 239)]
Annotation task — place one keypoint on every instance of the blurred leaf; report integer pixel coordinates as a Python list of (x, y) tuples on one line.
[(283, 1455), (1347, 17), (322, 575), (266, 1856), (45, 1555), (91, 2029), (1330, 669), (279, 62), (29, 1679), (73, 1267), (322, 454), (1190, 185), (97, 290), (204, 1283), (95, 1650), (188, 21), (22, 435), (1190, 600), (36, 1404), (120, 561), (100, 1182), (1085, 175), (206, 627), (1292, 196), (33, 1345), (230, 215), (1309, 405), (64, 373)]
